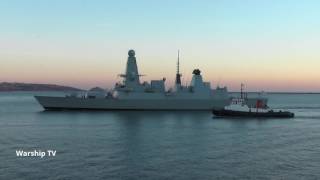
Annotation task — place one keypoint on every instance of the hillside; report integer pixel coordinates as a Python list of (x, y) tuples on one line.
[(6, 86)]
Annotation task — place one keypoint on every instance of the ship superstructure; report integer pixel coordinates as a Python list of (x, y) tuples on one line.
[(131, 94)]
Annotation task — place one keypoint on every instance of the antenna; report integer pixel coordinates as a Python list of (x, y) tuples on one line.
[(178, 75), (178, 63)]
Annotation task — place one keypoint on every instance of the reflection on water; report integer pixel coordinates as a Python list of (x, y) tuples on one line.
[(159, 144)]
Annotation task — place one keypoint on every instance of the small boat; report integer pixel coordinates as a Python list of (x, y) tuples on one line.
[(239, 108)]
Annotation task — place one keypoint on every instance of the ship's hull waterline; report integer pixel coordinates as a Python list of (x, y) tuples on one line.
[(72, 103)]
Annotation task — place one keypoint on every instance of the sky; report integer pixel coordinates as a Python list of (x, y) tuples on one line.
[(270, 45)]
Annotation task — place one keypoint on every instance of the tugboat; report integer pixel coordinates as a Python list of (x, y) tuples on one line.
[(239, 108)]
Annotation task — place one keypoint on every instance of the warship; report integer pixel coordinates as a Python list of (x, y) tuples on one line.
[(131, 94)]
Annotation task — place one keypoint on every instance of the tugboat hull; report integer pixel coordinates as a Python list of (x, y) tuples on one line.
[(269, 114)]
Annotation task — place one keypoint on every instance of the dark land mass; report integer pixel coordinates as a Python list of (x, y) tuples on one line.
[(7, 86)]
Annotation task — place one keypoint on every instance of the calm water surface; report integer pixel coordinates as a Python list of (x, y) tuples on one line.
[(159, 145)]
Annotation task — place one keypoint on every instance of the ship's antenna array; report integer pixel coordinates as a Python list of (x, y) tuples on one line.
[(178, 75), (178, 63)]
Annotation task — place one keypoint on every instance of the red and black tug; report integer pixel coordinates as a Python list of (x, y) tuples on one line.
[(239, 107)]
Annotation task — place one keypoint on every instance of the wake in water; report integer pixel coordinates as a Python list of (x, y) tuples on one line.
[(307, 117), (297, 107)]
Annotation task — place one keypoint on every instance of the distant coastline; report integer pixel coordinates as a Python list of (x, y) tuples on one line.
[(16, 86), (19, 86)]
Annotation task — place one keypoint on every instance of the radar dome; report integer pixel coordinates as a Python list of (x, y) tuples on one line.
[(131, 53), (196, 72)]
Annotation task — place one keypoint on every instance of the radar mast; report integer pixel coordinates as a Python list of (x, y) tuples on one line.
[(178, 75)]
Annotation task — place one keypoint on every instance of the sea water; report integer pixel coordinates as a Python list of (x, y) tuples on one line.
[(158, 145)]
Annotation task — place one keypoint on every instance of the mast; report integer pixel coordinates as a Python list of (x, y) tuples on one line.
[(178, 75), (178, 63), (131, 76), (241, 93)]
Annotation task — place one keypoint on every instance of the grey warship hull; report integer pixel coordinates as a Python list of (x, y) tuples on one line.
[(73, 103)]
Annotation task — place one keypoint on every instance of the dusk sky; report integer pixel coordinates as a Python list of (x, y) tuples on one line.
[(270, 45)]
